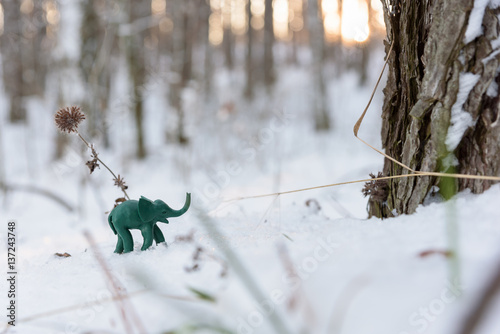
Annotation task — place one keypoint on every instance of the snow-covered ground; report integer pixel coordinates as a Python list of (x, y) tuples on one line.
[(307, 262)]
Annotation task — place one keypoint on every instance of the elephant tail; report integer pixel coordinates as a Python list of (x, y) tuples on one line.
[(110, 221)]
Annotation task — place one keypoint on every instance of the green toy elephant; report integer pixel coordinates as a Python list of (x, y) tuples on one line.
[(141, 215)]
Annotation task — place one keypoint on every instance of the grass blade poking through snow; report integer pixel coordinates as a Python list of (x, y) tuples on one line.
[(236, 264)]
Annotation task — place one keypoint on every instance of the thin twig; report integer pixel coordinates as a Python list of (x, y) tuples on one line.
[(97, 303), (39, 191), (98, 159), (77, 307)]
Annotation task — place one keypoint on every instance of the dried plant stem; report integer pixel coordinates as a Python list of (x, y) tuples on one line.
[(483, 305), (98, 303), (413, 173), (121, 299), (77, 307), (98, 159)]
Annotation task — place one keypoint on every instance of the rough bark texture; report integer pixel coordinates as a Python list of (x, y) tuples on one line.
[(423, 82)]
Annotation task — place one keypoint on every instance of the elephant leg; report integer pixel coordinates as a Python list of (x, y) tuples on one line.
[(158, 235), (147, 234), (128, 242), (119, 245)]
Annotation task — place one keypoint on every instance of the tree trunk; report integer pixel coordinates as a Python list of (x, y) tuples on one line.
[(35, 49), (441, 100), (268, 44), (249, 88), (12, 40), (228, 38), (208, 62), (366, 47), (179, 58), (97, 86), (317, 41), (137, 66)]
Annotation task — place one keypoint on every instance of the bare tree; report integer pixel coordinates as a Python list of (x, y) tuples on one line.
[(441, 108), (95, 49), (366, 46), (181, 60), (269, 74), (35, 49), (317, 42), (228, 38), (139, 11), (12, 41), (208, 63), (249, 88)]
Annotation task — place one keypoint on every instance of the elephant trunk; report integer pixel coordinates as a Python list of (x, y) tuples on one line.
[(177, 213)]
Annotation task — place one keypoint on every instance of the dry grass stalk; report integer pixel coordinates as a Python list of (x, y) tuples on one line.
[(124, 308)]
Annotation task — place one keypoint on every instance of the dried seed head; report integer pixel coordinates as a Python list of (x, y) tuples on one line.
[(120, 183), (378, 190), (67, 119)]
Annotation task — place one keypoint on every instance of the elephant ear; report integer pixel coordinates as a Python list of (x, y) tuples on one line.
[(146, 209)]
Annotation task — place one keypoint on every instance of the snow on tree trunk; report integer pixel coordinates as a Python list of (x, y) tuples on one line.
[(440, 109), (12, 41), (317, 41)]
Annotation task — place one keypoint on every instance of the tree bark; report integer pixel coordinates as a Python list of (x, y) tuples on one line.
[(427, 68)]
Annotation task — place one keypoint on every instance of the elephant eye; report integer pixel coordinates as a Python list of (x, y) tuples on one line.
[(164, 212)]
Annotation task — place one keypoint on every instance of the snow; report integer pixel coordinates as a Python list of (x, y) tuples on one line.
[(494, 4), (474, 28), (493, 87), (320, 267), (460, 119)]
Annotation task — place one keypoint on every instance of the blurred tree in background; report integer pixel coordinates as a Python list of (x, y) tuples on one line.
[(188, 42)]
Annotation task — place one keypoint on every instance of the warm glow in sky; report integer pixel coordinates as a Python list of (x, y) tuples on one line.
[(352, 25), (280, 19), (355, 21)]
